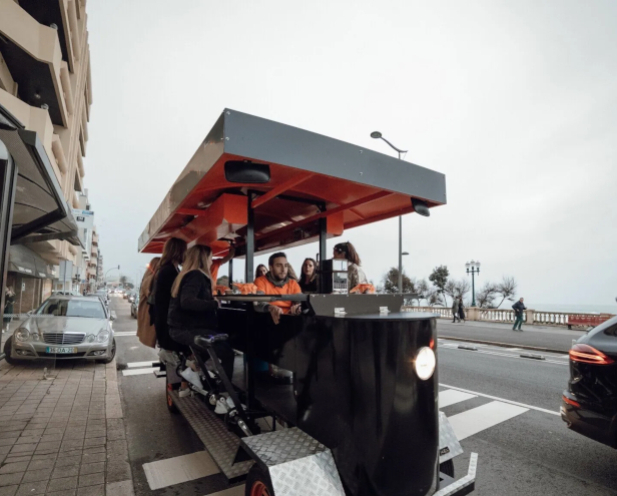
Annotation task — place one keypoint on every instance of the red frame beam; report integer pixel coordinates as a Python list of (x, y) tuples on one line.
[(281, 188)]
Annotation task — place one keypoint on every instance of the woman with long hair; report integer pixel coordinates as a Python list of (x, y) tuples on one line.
[(145, 327), (261, 270), (355, 274), (165, 275), (308, 276), (192, 311)]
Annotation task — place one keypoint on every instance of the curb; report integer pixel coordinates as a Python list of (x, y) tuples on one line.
[(505, 345)]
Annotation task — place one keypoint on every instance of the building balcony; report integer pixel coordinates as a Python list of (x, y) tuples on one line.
[(33, 57), (65, 14)]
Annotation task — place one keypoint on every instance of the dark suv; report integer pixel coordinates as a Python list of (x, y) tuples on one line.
[(590, 402)]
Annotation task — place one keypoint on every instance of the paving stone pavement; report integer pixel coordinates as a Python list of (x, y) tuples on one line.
[(64, 435)]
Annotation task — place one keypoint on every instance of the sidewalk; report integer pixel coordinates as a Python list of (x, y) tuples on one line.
[(542, 338), (64, 435)]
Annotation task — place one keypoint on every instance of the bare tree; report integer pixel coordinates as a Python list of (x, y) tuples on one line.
[(506, 289), (457, 288), (433, 298), (439, 278), (422, 290), (486, 295)]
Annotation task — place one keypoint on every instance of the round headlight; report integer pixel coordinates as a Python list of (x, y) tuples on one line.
[(34, 336), (90, 338), (102, 336), (22, 334), (425, 363)]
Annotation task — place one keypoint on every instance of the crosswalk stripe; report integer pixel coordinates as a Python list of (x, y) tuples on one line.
[(134, 365), (473, 421), (137, 371), (451, 397), (234, 491), (164, 473), (124, 334)]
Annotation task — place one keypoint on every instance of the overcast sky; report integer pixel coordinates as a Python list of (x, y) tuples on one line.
[(514, 101)]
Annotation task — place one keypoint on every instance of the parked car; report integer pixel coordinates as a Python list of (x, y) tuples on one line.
[(131, 297), (590, 402), (135, 307), (65, 327)]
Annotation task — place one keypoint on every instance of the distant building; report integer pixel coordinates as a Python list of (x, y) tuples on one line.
[(45, 85)]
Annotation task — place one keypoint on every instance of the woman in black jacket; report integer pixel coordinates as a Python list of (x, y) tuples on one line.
[(192, 311), (173, 256)]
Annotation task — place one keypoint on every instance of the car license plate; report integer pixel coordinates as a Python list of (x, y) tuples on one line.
[(57, 350)]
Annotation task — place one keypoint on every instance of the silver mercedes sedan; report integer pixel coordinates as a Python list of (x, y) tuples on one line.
[(64, 327)]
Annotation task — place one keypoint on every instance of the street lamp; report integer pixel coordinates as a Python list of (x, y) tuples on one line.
[(113, 268), (377, 135), (473, 268)]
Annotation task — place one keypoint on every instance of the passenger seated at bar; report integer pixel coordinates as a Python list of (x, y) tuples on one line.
[(261, 270), (308, 276), (346, 251), (278, 282), (192, 310)]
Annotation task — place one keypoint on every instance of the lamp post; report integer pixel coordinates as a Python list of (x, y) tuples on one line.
[(377, 135), (113, 268), (473, 268)]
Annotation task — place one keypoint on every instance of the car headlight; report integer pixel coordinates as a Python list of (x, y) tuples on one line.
[(90, 338), (425, 363), (22, 335), (102, 336), (34, 336)]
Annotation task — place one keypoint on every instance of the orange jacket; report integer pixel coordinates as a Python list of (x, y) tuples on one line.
[(291, 287)]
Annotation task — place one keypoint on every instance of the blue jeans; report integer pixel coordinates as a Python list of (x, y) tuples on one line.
[(518, 322)]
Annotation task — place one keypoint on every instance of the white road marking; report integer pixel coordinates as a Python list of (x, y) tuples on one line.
[(234, 491), (180, 469), (503, 400), (125, 334), (134, 365), (137, 371), (484, 417), (452, 397), (495, 353)]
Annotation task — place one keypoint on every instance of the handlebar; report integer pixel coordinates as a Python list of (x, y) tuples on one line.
[(204, 341), (297, 298)]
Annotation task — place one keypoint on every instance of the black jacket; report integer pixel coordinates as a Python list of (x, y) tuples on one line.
[(162, 296), (308, 287), (194, 308), (519, 307)]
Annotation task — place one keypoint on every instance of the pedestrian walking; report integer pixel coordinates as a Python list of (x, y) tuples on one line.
[(455, 306), (461, 309), (519, 307), (9, 301)]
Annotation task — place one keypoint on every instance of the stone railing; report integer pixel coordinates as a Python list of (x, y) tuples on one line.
[(507, 316)]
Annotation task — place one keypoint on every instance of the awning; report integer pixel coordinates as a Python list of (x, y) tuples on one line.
[(24, 261), (40, 212)]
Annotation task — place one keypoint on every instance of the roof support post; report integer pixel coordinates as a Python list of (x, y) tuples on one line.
[(323, 234), (250, 241), (8, 181)]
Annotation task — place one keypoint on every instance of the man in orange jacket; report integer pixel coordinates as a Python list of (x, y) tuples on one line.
[(278, 282)]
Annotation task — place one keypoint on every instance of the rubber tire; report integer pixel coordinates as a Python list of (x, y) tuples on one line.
[(7, 352), (257, 479), (113, 354), (447, 468)]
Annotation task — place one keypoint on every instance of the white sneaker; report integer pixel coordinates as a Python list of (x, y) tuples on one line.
[(168, 357), (183, 393), (192, 377), (221, 407)]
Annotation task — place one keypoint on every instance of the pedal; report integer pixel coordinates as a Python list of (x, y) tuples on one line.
[(160, 373)]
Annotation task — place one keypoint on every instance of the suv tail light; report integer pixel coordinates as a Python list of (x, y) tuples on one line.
[(587, 354)]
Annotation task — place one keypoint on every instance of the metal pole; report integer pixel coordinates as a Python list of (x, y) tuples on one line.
[(249, 273), (473, 288), (400, 247), (8, 181)]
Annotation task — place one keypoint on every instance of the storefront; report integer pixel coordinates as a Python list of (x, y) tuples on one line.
[(32, 209)]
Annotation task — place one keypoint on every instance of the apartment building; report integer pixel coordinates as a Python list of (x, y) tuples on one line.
[(46, 88)]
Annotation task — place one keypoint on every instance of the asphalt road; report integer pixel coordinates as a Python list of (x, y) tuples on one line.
[(508, 415)]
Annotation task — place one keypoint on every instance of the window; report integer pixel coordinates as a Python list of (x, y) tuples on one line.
[(89, 309)]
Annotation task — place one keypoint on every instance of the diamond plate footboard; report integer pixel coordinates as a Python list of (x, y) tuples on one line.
[(298, 464), (220, 443), (449, 447)]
